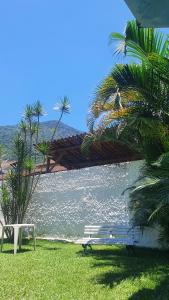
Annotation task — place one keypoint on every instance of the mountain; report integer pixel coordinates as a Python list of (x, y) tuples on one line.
[(8, 132)]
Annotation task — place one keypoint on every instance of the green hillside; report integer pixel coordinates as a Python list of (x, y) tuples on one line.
[(7, 134)]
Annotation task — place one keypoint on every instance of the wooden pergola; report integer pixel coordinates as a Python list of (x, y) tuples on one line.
[(67, 153)]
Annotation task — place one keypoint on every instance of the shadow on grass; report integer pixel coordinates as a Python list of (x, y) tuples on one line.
[(30, 244), (52, 247), (123, 266), (25, 242), (23, 250), (48, 248), (42, 244), (11, 251), (160, 292)]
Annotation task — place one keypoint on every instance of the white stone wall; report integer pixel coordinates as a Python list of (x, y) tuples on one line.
[(66, 201)]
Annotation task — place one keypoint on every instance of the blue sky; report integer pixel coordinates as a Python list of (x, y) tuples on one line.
[(52, 48)]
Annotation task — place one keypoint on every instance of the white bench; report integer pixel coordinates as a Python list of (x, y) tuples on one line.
[(108, 234)]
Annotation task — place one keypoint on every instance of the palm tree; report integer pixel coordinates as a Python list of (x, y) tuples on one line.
[(149, 200), (131, 105), (20, 182), (38, 112), (64, 108), (134, 97)]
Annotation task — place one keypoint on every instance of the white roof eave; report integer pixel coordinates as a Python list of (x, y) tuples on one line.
[(150, 13)]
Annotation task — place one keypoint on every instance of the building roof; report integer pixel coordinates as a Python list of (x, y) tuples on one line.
[(40, 168), (150, 13)]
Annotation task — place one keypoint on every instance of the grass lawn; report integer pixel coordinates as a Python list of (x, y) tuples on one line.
[(62, 271)]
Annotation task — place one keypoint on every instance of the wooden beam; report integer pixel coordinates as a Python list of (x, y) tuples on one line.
[(47, 164), (67, 148), (72, 165), (57, 161)]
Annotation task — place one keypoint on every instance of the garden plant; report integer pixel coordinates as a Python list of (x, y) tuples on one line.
[(19, 184), (131, 106)]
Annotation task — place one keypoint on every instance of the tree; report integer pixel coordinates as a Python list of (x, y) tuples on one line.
[(149, 200), (131, 105), (19, 185), (133, 98), (44, 146)]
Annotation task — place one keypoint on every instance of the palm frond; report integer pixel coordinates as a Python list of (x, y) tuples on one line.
[(138, 42)]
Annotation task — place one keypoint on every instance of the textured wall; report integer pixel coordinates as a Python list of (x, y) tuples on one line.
[(66, 201)]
